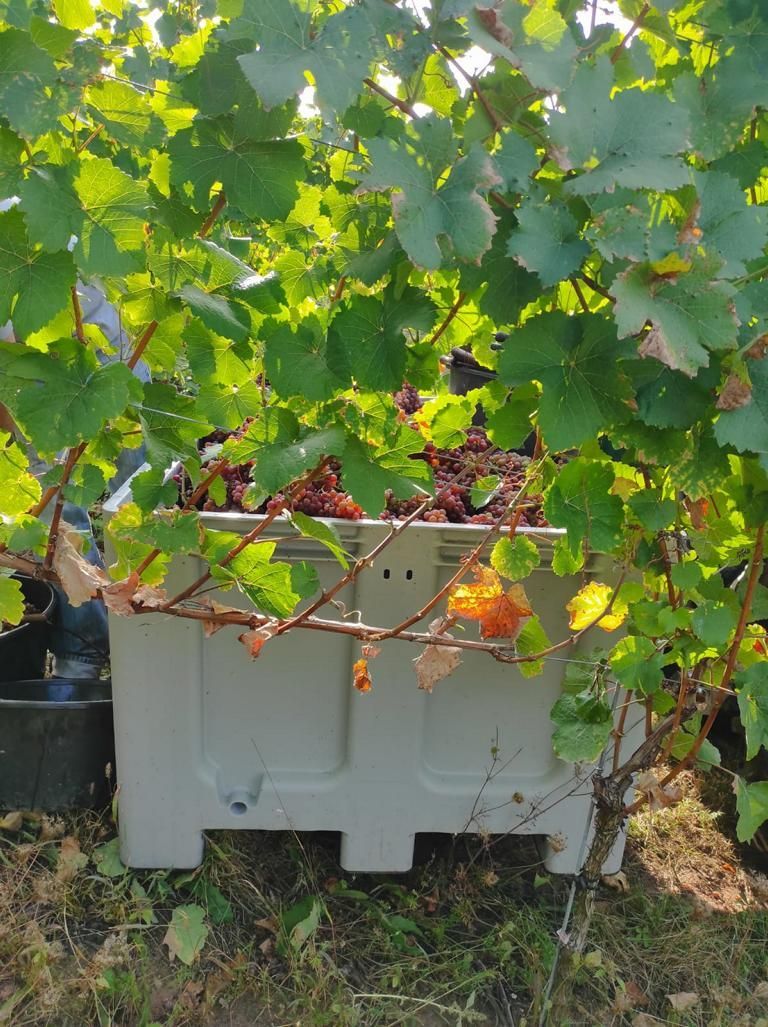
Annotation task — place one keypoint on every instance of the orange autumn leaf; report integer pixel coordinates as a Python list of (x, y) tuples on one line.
[(501, 614), (363, 682)]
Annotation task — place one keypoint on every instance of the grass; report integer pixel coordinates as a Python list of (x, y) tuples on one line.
[(290, 939)]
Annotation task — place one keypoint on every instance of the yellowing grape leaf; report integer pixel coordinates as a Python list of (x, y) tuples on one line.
[(589, 602), (362, 681), (500, 614)]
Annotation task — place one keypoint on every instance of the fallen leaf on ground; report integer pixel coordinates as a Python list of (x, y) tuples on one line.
[(500, 614), (761, 992), (644, 1020), (682, 1001), (362, 680), (619, 881), (191, 995), (79, 579), (186, 933), (71, 859), (589, 602), (12, 821), (628, 997)]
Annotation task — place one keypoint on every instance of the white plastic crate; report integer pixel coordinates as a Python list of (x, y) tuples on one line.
[(208, 738)]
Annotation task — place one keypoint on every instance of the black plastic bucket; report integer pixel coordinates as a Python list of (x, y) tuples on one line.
[(56, 739), (23, 649)]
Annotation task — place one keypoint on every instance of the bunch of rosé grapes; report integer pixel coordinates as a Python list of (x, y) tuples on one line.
[(455, 471), (408, 399)]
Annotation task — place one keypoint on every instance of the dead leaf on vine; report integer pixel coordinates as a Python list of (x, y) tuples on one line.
[(589, 602), (655, 344), (690, 233), (500, 614), (210, 627), (370, 652), (649, 786), (79, 579), (254, 639), (697, 511), (120, 595), (682, 1001), (758, 348), (491, 21), (735, 393), (362, 681), (151, 595), (435, 663)]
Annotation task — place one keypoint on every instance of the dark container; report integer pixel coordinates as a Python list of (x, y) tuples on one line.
[(23, 649), (56, 739)]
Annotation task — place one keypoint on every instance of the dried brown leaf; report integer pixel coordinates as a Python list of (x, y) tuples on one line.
[(362, 680), (71, 859), (491, 21), (735, 393), (80, 580), (682, 1001), (435, 663), (151, 595), (119, 596), (253, 640), (12, 821)]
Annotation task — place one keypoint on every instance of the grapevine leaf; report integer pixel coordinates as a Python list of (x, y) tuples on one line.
[(323, 533), (296, 364), (114, 209), (746, 428), (368, 481), (516, 160), (575, 358), (28, 95), (500, 613), (259, 176), (589, 602), (515, 558), (751, 806), (50, 207), (338, 56), (366, 340), (268, 585), (753, 707), (636, 665), (734, 231), (11, 149), (713, 622), (19, 489), (580, 501), (34, 285), (531, 640), (74, 14), (631, 140), (690, 316), (124, 112), (547, 241), (510, 425), (455, 215), (11, 601), (583, 726), (509, 287), (150, 490), (276, 465), (66, 398), (651, 510)]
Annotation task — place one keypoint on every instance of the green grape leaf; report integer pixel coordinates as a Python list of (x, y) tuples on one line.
[(326, 534), (751, 806), (222, 316), (34, 285), (690, 315), (746, 428), (455, 215), (229, 405), (713, 622), (115, 208), (637, 665), (74, 14), (338, 56), (448, 418), (583, 726), (296, 361), (150, 490), (719, 104), (29, 98), (509, 287), (483, 490), (534, 39), (50, 207), (575, 359), (734, 231), (532, 639), (708, 755), (651, 510), (277, 464), (368, 481), (64, 399), (580, 501), (564, 560), (261, 177), (11, 601), (366, 340), (753, 707), (515, 558), (510, 425), (268, 585), (125, 113), (516, 160), (547, 241), (56, 39), (631, 140), (11, 149), (19, 489)]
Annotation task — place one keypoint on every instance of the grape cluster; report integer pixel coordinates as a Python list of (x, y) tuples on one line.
[(455, 471), (408, 399)]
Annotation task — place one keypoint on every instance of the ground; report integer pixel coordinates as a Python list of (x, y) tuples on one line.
[(275, 933)]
